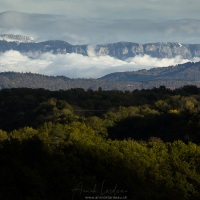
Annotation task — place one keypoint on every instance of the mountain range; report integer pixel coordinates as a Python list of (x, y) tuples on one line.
[(120, 50), (171, 77)]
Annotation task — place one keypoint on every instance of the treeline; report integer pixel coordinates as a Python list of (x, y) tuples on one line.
[(78, 144), (55, 83), (163, 113), (74, 162)]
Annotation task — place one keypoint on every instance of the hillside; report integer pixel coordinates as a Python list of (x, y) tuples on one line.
[(185, 72), (30, 80), (171, 77)]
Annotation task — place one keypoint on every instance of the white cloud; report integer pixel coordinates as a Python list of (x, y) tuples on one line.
[(149, 62), (15, 61), (91, 51), (79, 66)]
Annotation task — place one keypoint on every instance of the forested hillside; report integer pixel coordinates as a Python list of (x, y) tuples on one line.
[(118, 81), (183, 72), (78, 144)]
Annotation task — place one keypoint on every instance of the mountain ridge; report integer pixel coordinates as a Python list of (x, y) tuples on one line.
[(189, 71), (119, 50), (171, 77)]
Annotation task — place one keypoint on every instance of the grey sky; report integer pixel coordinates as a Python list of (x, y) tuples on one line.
[(102, 21), (109, 9)]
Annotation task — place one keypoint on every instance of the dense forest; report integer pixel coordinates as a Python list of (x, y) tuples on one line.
[(77, 144), (171, 77)]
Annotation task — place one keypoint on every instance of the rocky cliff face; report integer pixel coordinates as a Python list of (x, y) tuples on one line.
[(120, 50), (124, 50)]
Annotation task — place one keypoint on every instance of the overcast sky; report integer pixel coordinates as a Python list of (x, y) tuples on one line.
[(96, 22), (108, 9), (102, 21)]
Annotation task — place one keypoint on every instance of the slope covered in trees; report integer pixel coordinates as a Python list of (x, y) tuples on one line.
[(186, 72), (171, 77), (78, 144)]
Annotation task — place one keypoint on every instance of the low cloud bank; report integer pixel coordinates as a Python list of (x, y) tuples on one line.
[(79, 66)]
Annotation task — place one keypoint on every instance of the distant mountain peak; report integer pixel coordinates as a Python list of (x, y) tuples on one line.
[(16, 38)]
